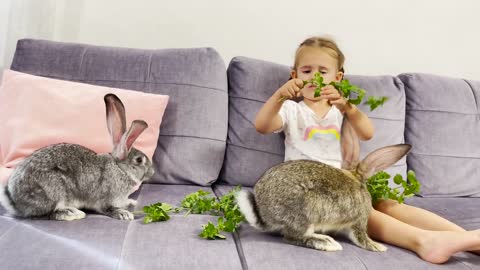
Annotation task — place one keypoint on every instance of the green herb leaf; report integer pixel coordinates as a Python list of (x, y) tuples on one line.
[(156, 212), (198, 202), (379, 189), (318, 82), (398, 179), (211, 232), (374, 102)]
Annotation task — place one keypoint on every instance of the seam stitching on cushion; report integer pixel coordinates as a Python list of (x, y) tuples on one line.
[(438, 111), (236, 237), (257, 150), (11, 228), (80, 69), (360, 260), (156, 83), (461, 262), (189, 136), (120, 259), (251, 99), (447, 156), (241, 254), (149, 67), (473, 93), (236, 111)]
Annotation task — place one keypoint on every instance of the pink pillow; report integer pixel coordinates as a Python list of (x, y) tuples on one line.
[(37, 111)]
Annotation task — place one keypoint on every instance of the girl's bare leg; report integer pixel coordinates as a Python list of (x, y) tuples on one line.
[(418, 217), (432, 246)]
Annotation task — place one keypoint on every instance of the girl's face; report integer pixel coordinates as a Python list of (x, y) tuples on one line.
[(312, 60)]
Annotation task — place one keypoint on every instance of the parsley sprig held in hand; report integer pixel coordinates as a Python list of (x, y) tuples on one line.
[(346, 89)]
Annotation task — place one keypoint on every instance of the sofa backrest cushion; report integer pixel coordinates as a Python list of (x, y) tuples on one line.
[(191, 145), (252, 82), (442, 124)]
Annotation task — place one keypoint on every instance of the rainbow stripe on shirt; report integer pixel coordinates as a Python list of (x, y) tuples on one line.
[(330, 131)]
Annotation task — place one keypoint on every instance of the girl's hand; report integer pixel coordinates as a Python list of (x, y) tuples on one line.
[(334, 97), (290, 89)]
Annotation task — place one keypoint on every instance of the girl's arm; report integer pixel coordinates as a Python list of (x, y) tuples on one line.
[(268, 120), (362, 125)]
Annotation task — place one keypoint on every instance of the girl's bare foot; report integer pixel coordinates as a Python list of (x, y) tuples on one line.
[(439, 246)]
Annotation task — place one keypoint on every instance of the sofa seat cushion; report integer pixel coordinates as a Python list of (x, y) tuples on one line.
[(269, 251), (442, 124), (175, 244), (100, 242), (91, 243), (463, 211)]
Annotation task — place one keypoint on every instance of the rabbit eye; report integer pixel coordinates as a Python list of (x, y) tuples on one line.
[(139, 160)]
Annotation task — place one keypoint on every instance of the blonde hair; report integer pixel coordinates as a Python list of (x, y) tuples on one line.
[(322, 42)]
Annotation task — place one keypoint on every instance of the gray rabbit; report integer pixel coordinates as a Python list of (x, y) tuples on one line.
[(303, 199), (58, 180)]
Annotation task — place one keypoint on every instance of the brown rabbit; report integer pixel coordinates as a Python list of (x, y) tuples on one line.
[(303, 199)]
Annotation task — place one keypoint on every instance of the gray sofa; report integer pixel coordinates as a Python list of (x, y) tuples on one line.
[(207, 140)]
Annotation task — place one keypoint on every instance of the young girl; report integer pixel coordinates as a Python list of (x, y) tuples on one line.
[(432, 237)]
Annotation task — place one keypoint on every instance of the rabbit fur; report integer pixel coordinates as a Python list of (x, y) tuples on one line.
[(58, 180), (304, 199)]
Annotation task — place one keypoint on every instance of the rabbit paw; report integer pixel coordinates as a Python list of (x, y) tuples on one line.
[(122, 214), (375, 246), (316, 241), (361, 239), (324, 242), (68, 214)]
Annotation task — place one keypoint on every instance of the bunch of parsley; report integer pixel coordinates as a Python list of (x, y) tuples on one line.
[(378, 187), (346, 89)]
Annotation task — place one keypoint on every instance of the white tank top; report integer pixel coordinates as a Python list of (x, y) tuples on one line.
[(309, 137)]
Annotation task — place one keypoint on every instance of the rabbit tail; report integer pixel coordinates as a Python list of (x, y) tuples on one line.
[(248, 206), (6, 200)]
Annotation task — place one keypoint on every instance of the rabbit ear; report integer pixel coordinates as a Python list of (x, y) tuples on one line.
[(382, 158), (350, 145), (137, 127), (121, 150), (116, 121)]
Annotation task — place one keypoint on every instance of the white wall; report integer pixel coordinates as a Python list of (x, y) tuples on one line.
[(377, 36), (24, 18), (4, 14)]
